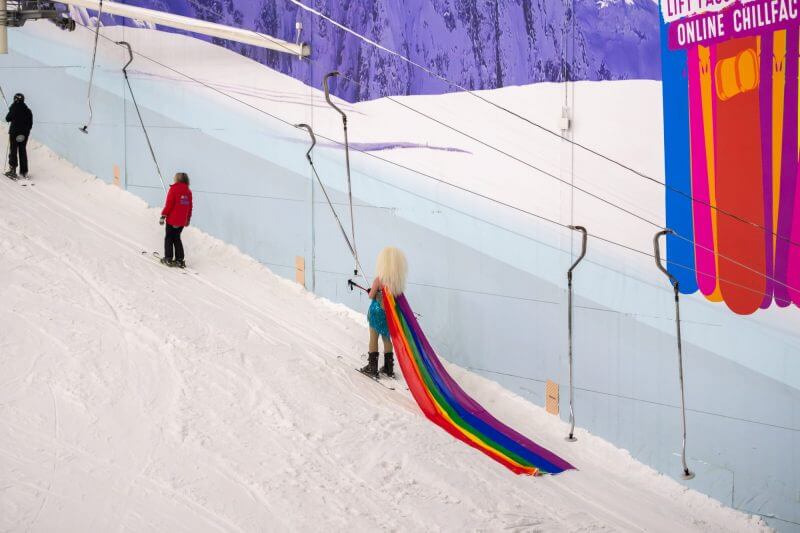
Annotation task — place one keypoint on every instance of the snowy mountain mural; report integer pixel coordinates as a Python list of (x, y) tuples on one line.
[(478, 44)]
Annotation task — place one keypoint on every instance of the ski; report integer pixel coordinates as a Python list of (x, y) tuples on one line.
[(376, 380), (370, 376), (157, 257), (13, 176)]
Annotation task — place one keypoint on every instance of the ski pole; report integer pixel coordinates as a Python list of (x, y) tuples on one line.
[(8, 136), (687, 474), (353, 284), (8, 147)]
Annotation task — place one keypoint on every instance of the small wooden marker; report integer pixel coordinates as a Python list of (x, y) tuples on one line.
[(300, 270), (551, 395)]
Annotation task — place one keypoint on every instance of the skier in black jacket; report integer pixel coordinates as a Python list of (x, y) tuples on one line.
[(21, 119)]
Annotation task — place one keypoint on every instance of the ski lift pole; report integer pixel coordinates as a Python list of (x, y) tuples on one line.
[(687, 474), (346, 158), (8, 137), (584, 237), (85, 127), (350, 245), (138, 113), (3, 27)]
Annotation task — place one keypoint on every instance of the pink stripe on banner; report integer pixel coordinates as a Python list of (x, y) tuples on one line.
[(765, 105), (701, 210), (786, 209), (793, 269)]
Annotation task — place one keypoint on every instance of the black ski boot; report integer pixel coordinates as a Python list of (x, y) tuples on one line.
[(168, 262), (371, 369), (180, 263), (388, 364)]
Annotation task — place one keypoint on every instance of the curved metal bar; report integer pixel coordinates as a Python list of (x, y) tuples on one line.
[(657, 248), (127, 45), (326, 87), (687, 474), (584, 238), (313, 140)]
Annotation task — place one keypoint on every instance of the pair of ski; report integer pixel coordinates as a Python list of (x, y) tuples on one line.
[(13, 176), (377, 379), (157, 257)]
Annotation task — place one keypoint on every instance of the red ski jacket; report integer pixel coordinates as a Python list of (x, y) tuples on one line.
[(178, 208)]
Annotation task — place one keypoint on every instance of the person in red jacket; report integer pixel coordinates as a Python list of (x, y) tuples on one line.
[(177, 214)]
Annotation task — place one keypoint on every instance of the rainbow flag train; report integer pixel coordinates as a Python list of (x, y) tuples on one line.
[(448, 406)]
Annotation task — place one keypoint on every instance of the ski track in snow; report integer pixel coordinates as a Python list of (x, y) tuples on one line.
[(137, 398)]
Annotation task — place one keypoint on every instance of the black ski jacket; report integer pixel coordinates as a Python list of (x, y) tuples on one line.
[(21, 119)]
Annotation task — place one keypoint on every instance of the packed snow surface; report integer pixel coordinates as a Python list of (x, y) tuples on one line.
[(141, 398)]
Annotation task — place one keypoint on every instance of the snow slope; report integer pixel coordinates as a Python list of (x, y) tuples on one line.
[(135, 397)]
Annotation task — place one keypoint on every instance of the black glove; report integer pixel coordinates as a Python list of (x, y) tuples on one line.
[(162, 220)]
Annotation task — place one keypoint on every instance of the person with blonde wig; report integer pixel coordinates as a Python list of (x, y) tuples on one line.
[(390, 274)]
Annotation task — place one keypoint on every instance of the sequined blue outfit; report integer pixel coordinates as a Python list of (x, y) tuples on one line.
[(376, 317)]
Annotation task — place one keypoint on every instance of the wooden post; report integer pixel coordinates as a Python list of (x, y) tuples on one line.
[(551, 395), (300, 270)]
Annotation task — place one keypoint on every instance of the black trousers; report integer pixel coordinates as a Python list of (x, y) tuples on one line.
[(172, 241), (15, 149)]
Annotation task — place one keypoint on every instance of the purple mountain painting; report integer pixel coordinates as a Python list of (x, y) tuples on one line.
[(478, 44)]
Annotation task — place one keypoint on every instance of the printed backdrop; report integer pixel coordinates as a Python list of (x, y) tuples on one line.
[(730, 74)]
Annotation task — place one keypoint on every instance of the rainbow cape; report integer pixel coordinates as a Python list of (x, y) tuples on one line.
[(445, 404)]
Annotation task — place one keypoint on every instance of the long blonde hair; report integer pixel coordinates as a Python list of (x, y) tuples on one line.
[(392, 269)]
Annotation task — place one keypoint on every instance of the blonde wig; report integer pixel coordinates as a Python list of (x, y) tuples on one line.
[(392, 269)]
